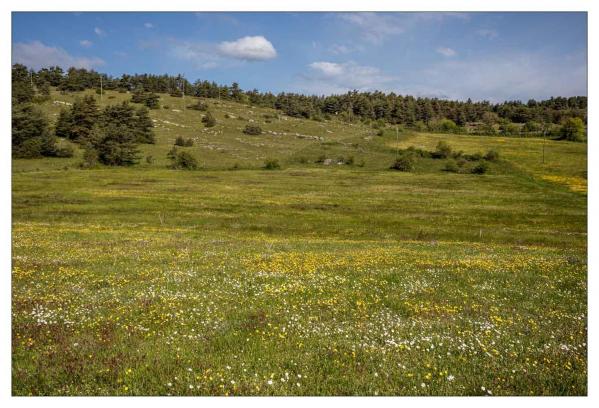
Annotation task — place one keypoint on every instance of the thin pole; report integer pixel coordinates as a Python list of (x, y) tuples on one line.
[(101, 89), (183, 93), (544, 131), (397, 142)]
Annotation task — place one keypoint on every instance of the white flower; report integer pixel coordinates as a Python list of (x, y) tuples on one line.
[(483, 388), (269, 382), (232, 382), (170, 384), (423, 385), (450, 378), (190, 387)]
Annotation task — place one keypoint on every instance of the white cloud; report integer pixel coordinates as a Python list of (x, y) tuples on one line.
[(99, 32), (327, 68), (148, 25), (36, 55), (377, 27), (332, 77), (201, 55), (86, 43), (487, 33), (504, 77), (256, 48), (447, 52), (342, 49)]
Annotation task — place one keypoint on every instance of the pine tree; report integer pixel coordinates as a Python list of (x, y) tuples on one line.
[(31, 135), (143, 126), (83, 117)]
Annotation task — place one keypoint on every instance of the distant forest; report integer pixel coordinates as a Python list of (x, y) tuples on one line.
[(422, 113)]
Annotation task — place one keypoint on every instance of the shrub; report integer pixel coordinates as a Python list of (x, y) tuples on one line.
[(404, 162), (443, 151), (492, 155), (200, 106), (480, 168), (182, 160), (508, 128), (380, 132), (418, 152), (227, 116), (252, 130), (451, 166), (90, 157), (65, 151), (179, 141), (444, 125), (321, 159), (473, 157), (209, 120), (29, 149), (349, 161), (189, 142), (271, 164), (150, 159), (572, 129), (165, 107), (361, 163)]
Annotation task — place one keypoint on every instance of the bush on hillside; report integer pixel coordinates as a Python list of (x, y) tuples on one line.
[(209, 120), (179, 141), (492, 155), (451, 166), (252, 130), (481, 168), (572, 129), (271, 164), (443, 150), (182, 160), (405, 162)]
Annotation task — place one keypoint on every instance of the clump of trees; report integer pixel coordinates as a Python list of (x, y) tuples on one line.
[(109, 136), (455, 161), (31, 134), (572, 129)]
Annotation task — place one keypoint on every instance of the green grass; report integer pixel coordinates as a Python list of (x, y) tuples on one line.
[(343, 279)]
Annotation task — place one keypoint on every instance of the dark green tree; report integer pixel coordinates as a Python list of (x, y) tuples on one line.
[(31, 136)]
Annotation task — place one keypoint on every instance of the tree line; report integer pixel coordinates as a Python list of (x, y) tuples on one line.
[(388, 107)]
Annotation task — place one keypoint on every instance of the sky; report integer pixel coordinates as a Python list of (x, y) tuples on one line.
[(482, 56)]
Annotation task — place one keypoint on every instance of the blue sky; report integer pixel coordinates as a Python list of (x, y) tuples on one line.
[(492, 56)]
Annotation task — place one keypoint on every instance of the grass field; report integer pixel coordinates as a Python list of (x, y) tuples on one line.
[(310, 280)]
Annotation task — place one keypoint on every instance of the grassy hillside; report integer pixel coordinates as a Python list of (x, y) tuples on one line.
[(310, 280)]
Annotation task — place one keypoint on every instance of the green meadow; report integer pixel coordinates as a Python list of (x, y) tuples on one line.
[(344, 278)]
